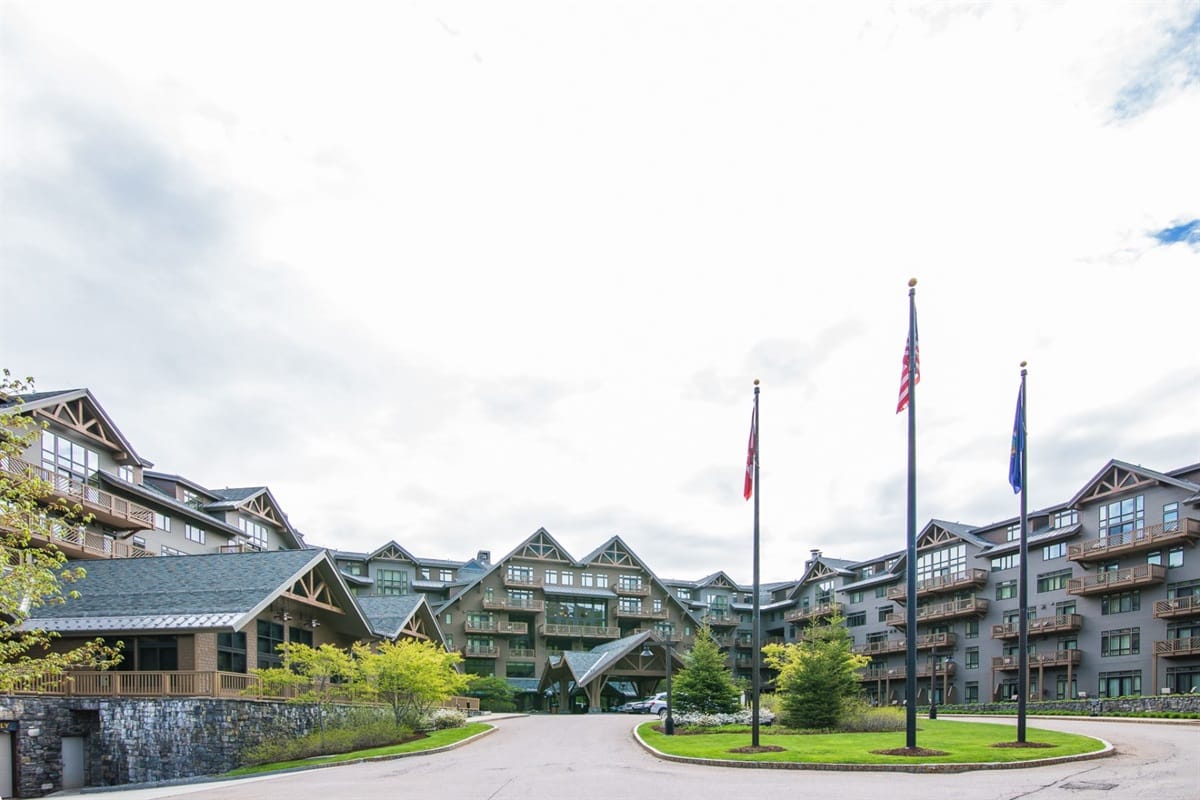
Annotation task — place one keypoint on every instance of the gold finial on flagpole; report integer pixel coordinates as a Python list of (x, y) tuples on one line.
[(1024, 364), (912, 282), (756, 381)]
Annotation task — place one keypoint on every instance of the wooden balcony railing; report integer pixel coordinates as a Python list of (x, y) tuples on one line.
[(79, 542), (522, 582), (497, 627), (481, 651), (720, 620), (1040, 626), (504, 604), (814, 612), (1172, 648), (1151, 537), (1114, 580), (523, 653), (240, 547), (967, 607), (926, 642), (641, 612), (581, 631), (924, 670), (673, 636), (142, 684), (632, 589), (744, 640), (1056, 658), (941, 583), (1177, 607), (105, 507)]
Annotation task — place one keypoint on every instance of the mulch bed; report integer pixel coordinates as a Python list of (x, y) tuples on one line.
[(910, 751), (1023, 744), (766, 748)]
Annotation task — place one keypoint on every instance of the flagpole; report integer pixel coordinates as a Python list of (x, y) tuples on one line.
[(756, 678), (910, 616), (1023, 587)]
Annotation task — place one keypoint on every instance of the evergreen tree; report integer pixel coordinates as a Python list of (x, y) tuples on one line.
[(816, 675), (705, 684)]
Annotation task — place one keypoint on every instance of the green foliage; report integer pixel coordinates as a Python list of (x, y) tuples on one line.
[(858, 716), (34, 573), (816, 676), (705, 684), (495, 694), (310, 675), (412, 677), (355, 735)]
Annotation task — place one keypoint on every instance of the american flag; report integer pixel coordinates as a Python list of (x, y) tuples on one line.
[(902, 403), (748, 490)]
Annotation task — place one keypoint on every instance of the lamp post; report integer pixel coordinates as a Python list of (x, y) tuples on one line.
[(668, 720)]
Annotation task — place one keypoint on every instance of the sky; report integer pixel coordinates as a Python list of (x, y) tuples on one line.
[(445, 274)]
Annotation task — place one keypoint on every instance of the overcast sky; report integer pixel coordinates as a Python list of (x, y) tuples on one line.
[(448, 273)]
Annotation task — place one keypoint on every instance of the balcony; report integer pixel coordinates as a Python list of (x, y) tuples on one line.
[(579, 631), (924, 670), (1177, 607), (632, 589), (814, 612), (497, 627), (744, 662), (926, 642), (141, 684), (941, 583), (1151, 537), (522, 582), (104, 507), (522, 653), (1173, 648), (723, 639), (641, 612), (719, 620), (1058, 658), (240, 547), (79, 542), (673, 636), (744, 640), (504, 604), (1116, 580), (481, 651), (1065, 623), (969, 607)]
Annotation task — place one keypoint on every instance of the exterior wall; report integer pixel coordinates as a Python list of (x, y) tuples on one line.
[(145, 741)]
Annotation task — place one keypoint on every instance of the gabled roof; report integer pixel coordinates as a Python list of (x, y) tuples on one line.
[(615, 553), (719, 579), (257, 500), (821, 567), (79, 410), (152, 494), (392, 552), (540, 540), (222, 591), (585, 667), (167, 477), (392, 616), (938, 530), (1121, 476)]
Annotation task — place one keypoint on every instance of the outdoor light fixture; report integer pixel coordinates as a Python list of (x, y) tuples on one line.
[(314, 623), (668, 720)]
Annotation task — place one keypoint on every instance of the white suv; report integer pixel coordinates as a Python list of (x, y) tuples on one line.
[(657, 704)]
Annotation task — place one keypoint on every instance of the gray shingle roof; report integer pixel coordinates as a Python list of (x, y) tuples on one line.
[(388, 615)]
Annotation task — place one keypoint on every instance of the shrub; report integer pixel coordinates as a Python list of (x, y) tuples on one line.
[(442, 718), (700, 720), (357, 735), (859, 717)]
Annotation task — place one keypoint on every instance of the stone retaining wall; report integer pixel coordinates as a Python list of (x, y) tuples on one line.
[(145, 741), (1099, 706)]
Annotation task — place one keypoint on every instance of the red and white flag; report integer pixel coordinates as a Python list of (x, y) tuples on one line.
[(749, 488), (902, 403)]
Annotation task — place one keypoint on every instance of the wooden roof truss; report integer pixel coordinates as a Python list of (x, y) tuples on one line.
[(314, 590), (616, 555), (79, 415), (541, 547), (935, 536), (260, 505), (1115, 481)]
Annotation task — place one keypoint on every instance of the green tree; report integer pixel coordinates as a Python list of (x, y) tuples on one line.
[(318, 675), (494, 693), (412, 676), (816, 676), (705, 684), (33, 573)]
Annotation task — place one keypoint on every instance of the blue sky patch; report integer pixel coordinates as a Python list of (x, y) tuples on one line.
[(1186, 232), (1174, 66)]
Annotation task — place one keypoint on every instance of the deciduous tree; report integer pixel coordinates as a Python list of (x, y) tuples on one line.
[(412, 676)]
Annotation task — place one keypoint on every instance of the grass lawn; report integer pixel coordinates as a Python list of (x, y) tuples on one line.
[(433, 741), (963, 742)]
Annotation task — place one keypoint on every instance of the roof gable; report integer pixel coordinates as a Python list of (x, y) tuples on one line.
[(78, 410), (1118, 477), (939, 532), (392, 552), (541, 546)]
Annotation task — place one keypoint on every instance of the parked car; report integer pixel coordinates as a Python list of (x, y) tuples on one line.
[(651, 705)]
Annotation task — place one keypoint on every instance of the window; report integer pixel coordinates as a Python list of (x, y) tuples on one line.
[(883, 613), (424, 573), (446, 575), (519, 598), (125, 473), (162, 522), (1006, 562), (971, 658), (551, 577), (63, 457), (684, 594), (1006, 590), (157, 653), (972, 629), (971, 692), (448, 618), (1053, 581), (630, 582), (1120, 642), (1123, 517), (255, 531), (856, 597), (479, 666), (231, 652), (629, 605), (1063, 519), (519, 669), (1012, 533), (1053, 551), (567, 578), (1121, 602), (390, 582), (354, 568), (519, 574), (856, 620), (193, 534), (1063, 691), (300, 636), (1175, 557), (188, 497), (1185, 589), (1171, 517), (657, 605), (946, 561), (170, 551), (270, 636), (587, 579), (880, 591), (665, 630), (1120, 684)]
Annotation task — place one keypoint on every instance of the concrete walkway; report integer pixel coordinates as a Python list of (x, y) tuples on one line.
[(594, 756)]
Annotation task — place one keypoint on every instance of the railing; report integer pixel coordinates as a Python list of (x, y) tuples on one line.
[(941, 583), (519, 582), (1188, 646), (105, 506), (1148, 538), (240, 547), (467, 704), (1057, 658), (971, 606), (719, 620), (926, 642), (582, 631), (641, 612), (1039, 626), (633, 589), (480, 651), (1110, 580), (521, 652), (498, 627), (822, 610), (142, 684), (79, 541), (504, 604), (924, 670), (1177, 607), (744, 640), (673, 636)]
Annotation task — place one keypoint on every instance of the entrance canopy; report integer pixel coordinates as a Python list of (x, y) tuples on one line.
[(620, 660)]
